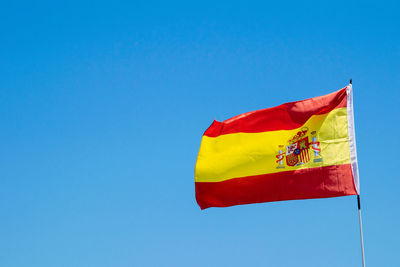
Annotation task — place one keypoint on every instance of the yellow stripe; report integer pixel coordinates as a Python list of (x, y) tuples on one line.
[(246, 154)]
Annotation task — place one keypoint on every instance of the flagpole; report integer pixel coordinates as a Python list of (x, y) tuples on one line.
[(359, 219), (361, 233)]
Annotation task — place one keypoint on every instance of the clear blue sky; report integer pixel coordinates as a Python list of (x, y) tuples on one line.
[(102, 109)]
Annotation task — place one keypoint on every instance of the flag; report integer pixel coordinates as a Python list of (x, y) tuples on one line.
[(299, 150)]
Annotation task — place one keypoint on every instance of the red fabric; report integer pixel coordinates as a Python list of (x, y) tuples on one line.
[(284, 117), (320, 182)]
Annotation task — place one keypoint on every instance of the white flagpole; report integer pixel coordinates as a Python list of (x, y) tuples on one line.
[(359, 206), (361, 233)]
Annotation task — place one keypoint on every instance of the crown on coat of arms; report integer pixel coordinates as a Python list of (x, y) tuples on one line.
[(298, 136)]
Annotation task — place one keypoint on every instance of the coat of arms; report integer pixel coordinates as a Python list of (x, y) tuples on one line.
[(297, 151)]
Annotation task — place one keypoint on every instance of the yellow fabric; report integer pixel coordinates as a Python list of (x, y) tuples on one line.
[(247, 154)]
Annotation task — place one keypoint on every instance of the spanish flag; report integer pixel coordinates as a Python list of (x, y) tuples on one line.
[(299, 150)]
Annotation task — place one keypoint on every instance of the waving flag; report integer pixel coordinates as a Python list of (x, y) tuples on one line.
[(298, 150)]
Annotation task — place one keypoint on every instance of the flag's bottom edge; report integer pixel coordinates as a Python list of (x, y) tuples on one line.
[(320, 182)]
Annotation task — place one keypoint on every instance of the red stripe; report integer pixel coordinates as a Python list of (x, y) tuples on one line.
[(320, 182), (284, 117)]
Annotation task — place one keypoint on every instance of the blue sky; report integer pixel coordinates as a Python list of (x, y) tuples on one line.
[(102, 109)]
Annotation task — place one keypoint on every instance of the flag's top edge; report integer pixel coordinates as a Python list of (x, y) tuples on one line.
[(287, 116), (323, 97)]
